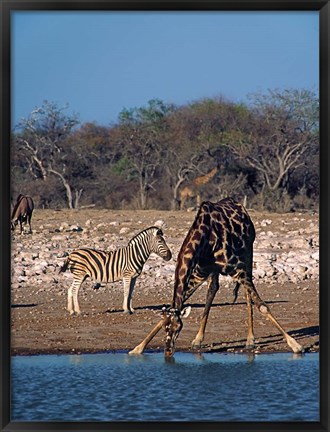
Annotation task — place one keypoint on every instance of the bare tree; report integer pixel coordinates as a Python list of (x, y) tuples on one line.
[(41, 136), (284, 126), (72, 199)]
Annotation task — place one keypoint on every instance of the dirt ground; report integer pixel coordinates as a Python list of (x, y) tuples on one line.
[(40, 322)]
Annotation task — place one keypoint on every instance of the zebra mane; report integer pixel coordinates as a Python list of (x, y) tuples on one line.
[(140, 235)]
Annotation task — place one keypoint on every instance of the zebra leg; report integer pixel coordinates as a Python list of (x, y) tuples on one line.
[(75, 291), (73, 305), (70, 300), (128, 290), (130, 295)]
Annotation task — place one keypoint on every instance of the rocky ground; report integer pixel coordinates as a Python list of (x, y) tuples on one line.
[(286, 272)]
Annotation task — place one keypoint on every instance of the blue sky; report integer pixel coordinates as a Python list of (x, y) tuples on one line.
[(102, 62)]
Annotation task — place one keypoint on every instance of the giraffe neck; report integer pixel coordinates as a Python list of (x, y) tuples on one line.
[(206, 178), (190, 250)]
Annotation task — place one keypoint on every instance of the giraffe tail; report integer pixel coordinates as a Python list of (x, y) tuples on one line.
[(235, 291)]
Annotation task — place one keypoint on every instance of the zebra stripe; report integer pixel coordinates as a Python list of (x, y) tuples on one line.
[(124, 263)]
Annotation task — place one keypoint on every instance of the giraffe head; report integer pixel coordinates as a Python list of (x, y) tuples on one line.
[(172, 324)]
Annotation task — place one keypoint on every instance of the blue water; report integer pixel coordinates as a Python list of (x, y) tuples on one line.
[(208, 387)]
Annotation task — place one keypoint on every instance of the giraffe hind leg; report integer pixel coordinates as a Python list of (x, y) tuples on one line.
[(250, 336), (264, 310)]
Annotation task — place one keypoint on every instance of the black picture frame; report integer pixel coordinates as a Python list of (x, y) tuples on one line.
[(8, 6)]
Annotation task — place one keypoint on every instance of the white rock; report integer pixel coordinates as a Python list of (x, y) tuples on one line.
[(316, 255), (124, 230)]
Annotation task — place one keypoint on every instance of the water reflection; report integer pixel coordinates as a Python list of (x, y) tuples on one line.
[(297, 356), (158, 357), (169, 360), (214, 386), (75, 359)]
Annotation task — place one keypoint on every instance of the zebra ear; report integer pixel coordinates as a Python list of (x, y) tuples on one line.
[(160, 224)]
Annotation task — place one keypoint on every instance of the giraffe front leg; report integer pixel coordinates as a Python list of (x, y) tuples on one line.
[(211, 292), (141, 347)]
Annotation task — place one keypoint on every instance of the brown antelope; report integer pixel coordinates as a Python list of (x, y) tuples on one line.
[(22, 212)]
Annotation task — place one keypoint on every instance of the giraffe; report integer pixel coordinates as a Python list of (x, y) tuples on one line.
[(192, 190), (219, 242)]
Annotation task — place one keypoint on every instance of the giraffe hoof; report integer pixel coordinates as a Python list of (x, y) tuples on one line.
[(136, 351), (196, 344), (250, 346), (294, 345)]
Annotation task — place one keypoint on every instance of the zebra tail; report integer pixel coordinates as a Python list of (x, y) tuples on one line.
[(64, 266)]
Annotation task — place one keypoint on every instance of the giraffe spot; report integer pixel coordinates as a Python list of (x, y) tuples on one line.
[(207, 219), (196, 236), (220, 258), (187, 260), (228, 212), (204, 228), (182, 272), (236, 226), (233, 260), (237, 242), (230, 269)]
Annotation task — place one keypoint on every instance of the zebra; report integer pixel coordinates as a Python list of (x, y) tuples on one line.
[(124, 263)]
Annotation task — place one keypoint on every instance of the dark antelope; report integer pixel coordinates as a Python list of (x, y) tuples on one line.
[(124, 263), (220, 242), (22, 212)]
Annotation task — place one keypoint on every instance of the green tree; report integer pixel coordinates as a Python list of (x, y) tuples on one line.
[(141, 130)]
